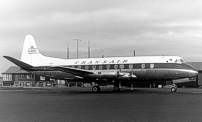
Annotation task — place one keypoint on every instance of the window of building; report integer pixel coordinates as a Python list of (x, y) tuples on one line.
[(52, 79), (21, 76), (30, 76), (42, 78), (7, 77)]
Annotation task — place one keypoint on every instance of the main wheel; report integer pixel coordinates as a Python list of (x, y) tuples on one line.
[(96, 89), (116, 88)]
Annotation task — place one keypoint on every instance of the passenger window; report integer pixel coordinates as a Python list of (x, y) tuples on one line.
[(115, 66), (121, 66), (178, 61), (108, 66), (86, 67), (100, 67), (94, 67), (130, 66)]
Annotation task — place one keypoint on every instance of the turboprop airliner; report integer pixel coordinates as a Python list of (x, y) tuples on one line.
[(98, 71)]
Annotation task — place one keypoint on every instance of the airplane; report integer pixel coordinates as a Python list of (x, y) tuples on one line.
[(99, 71)]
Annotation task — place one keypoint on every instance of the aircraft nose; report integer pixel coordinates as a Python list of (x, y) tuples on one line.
[(193, 73)]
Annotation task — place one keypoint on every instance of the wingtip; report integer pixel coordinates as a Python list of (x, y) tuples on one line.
[(5, 56)]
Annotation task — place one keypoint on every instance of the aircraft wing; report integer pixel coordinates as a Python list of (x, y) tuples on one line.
[(73, 71)]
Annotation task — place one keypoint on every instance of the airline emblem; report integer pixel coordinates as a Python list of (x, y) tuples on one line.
[(102, 62)]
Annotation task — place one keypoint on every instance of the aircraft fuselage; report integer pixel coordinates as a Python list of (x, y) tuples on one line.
[(142, 71)]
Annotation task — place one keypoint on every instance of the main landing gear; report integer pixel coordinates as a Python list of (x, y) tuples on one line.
[(96, 89), (117, 86)]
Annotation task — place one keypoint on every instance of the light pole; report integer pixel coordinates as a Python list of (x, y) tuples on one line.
[(88, 49), (67, 50), (77, 46)]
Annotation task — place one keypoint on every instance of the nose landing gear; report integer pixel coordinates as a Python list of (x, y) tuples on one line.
[(174, 88)]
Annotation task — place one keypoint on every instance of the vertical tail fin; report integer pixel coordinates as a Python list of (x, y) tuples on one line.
[(30, 53)]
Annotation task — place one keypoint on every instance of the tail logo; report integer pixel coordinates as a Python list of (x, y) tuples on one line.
[(33, 50)]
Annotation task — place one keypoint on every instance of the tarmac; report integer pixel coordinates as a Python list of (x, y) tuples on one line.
[(81, 105)]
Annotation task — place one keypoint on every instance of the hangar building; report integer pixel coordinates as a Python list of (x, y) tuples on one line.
[(18, 77)]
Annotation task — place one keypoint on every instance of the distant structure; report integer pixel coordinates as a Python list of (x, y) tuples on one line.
[(67, 50), (77, 47), (134, 53), (88, 49), (15, 76)]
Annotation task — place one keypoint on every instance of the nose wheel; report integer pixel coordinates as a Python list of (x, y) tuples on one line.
[(174, 88)]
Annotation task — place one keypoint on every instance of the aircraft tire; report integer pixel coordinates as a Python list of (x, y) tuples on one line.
[(96, 89), (173, 89), (116, 88)]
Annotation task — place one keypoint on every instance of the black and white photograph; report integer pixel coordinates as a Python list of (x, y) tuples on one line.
[(100, 60)]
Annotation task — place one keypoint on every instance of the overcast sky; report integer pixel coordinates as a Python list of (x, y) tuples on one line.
[(114, 28)]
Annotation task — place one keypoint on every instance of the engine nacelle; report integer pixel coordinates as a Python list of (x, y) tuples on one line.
[(113, 75), (126, 76)]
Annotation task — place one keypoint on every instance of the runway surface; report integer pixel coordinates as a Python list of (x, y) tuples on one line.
[(80, 105)]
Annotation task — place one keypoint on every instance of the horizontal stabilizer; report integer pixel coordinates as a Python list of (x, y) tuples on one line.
[(18, 63)]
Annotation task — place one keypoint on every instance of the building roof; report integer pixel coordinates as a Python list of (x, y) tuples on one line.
[(197, 65), (14, 70)]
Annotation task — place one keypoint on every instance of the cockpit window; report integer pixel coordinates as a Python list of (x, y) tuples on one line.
[(179, 61)]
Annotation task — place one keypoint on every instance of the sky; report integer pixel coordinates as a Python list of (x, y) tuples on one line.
[(113, 28)]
